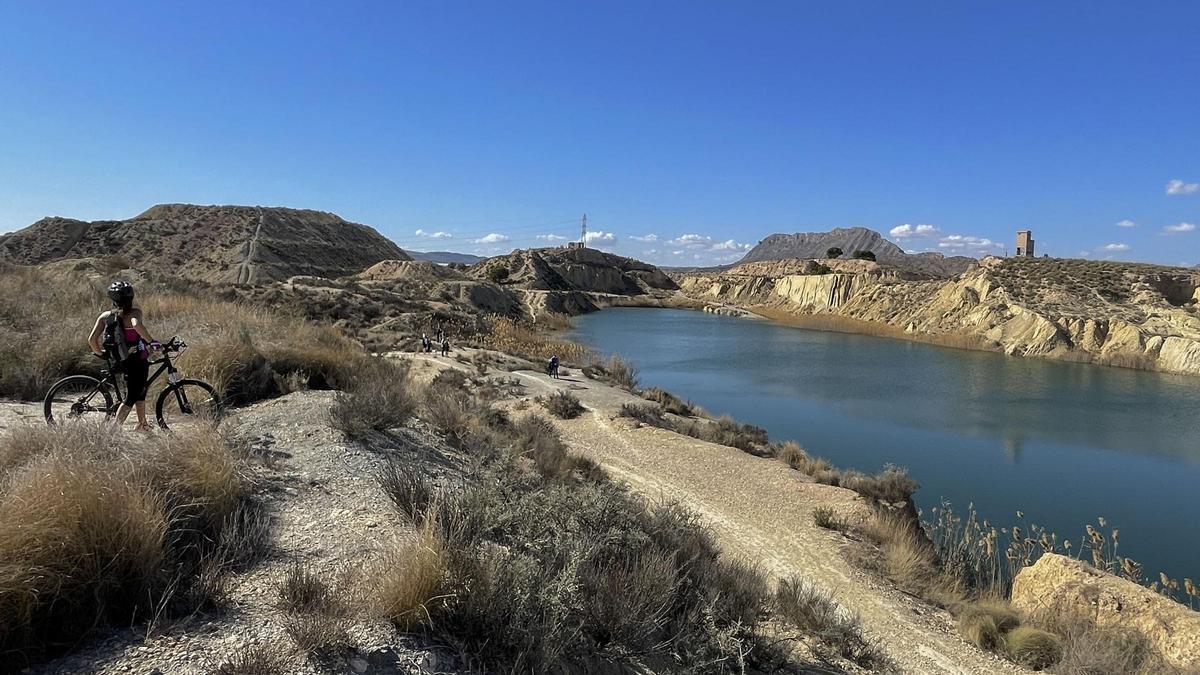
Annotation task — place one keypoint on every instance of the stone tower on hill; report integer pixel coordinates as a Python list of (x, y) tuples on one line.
[(1025, 243)]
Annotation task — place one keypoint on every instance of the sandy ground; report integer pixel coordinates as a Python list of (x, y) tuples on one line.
[(761, 511)]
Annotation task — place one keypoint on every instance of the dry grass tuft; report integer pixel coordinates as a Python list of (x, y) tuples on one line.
[(669, 402), (1032, 647), (407, 581), (316, 613), (809, 609), (984, 623), (827, 518), (98, 528), (267, 658), (563, 405)]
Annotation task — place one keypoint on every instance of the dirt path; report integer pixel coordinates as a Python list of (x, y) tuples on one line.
[(761, 510), (246, 267)]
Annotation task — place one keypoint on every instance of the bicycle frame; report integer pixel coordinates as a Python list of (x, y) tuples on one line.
[(109, 377)]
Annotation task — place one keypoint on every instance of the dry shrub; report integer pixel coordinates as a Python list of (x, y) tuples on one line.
[(1088, 649), (377, 397), (646, 414), (891, 486), (563, 405), (827, 518), (264, 658), (620, 372), (98, 528), (814, 611), (669, 402), (537, 438), (317, 614), (1032, 647), (723, 431)]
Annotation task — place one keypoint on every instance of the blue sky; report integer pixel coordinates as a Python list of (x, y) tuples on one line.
[(686, 130)]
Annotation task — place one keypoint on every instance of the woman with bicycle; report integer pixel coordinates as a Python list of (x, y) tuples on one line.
[(126, 345)]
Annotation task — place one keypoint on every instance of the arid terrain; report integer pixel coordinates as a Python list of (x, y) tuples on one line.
[(365, 508)]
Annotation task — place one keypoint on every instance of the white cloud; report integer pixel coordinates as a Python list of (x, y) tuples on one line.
[(493, 238), (906, 230), (433, 235), (961, 242), (1115, 247), (1177, 229), (1178, 187), (648, 238), (600, 237), (551, 237), (1126, 223), (730, 245), (691, 241), (1084, 254)]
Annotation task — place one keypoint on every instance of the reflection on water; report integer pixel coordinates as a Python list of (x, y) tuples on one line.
[(1063, 442)]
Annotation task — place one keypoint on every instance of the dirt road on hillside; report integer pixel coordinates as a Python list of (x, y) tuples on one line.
[(761, 511)]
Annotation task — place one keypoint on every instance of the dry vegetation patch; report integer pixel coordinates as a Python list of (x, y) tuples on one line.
[(246, 352), (100, 529), (535, 562), (562, 404)]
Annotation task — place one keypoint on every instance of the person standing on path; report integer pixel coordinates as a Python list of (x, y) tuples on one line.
[(445, 346)]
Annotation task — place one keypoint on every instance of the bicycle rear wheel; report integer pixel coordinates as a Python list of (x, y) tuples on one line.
[(78, 398), (187, 402)]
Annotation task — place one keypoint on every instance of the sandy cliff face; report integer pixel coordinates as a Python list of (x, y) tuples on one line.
[(1128, 315)]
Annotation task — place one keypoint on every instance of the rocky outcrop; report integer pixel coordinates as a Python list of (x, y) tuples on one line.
[(577, 280), (216, 244), (1125, 315), (1065, 586)]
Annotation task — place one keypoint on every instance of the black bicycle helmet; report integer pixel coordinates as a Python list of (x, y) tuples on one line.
[(120, 292)]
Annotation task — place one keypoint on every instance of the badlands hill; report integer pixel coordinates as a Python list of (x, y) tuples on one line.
[(850, 239), (216, 244), (578, 280), (1135, 315)]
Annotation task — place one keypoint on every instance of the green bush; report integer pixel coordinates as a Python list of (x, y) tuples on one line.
[(497, 273)]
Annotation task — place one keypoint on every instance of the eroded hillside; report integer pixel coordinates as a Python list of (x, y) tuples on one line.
[(1125, 314), (217, 244)]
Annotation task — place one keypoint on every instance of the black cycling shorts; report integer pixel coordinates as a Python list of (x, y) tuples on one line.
[(136, 370)]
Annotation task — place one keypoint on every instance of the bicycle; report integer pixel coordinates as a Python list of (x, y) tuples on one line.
[(79, 397)]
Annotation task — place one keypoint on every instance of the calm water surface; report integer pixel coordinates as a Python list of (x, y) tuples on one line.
[(1065, 443)]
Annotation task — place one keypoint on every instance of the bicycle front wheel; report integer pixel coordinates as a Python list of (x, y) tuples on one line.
[(78, 398), (187, 402)]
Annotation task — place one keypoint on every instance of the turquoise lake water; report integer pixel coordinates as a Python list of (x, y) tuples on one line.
[(1064, 443)]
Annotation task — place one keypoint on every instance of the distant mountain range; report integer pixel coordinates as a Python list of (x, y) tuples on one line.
[(232, 244), (851, 239), (446, 257)]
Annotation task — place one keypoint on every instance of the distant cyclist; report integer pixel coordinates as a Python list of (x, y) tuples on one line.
[(121, 337)]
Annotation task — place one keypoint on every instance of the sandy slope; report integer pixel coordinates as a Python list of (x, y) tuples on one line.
[(761, 510)]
